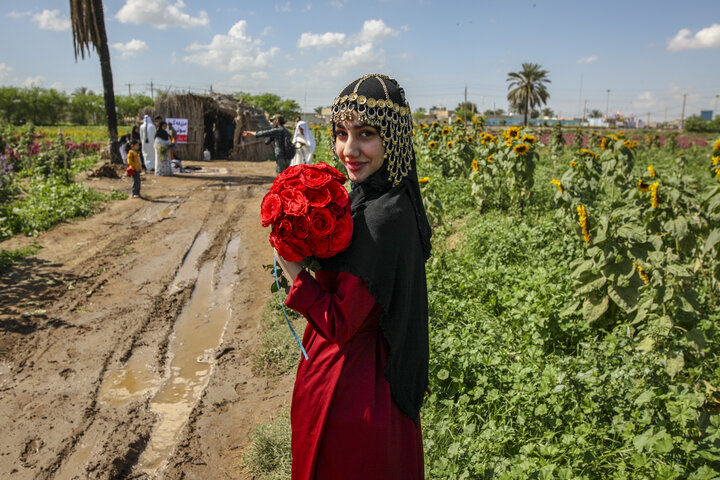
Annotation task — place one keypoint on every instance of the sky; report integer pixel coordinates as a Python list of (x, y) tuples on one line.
[(635, 56)]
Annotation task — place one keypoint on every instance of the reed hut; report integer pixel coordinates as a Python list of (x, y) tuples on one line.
[(215, 123)]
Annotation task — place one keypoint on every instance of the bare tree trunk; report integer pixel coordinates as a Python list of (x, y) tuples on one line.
[(108, 90)]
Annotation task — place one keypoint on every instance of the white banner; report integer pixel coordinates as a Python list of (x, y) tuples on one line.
[(181, 128)]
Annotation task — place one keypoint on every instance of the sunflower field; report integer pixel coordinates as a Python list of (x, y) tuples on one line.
[(574, 295)]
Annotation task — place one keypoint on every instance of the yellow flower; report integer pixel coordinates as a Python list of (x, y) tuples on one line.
[(681, 153), (651, 170), (716, 146), (449, 144), (628, 144), (432, 145), (582, 213), (475, 165), (424, 180), (642, 187), (573, 164), (587, 152), (558, 184), (621, 134), (425, 134), (470, 139), (644, 276), (459, 120), (604, 143), (509, 142), (715, 160), (435, 124), (521, 149), (490, 158), (446, 131), (654, 194), (529, 139), (512, 132)]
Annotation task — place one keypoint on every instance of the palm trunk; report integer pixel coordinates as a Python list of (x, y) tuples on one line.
[(527, 103), (108, 90)]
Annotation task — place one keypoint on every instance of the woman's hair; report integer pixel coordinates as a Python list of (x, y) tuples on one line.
[(379, 101)]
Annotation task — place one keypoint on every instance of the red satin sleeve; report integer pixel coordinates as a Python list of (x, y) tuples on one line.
[(336, 311)]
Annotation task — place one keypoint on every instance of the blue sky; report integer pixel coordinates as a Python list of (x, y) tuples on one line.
[(647, 53)]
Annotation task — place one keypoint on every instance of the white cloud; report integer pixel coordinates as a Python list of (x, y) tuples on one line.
[(364, 55), (706, 38), (329, 39), (644, 100), (131, 48), (15, 14), (161, 14), (4, 71), (375, 30), (338, 3), (266, 31), (590, 59), (234, 52), (51, 20), (285, 7), (36, 81), (307, 8), (57, 86), (260, 76)]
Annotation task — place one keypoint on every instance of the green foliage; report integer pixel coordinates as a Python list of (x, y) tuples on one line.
[(269, 457), (278, 353), (697, 124), (271, 104), (8, 258)]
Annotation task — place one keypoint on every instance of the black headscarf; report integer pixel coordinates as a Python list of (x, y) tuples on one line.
[(162, 133), (391, 242)]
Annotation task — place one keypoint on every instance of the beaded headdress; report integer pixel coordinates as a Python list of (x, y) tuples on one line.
[(379, 101)]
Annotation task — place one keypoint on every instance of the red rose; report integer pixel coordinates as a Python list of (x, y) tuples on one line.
[(290, 172), (270, 209), (294, 202), (318, 197), (286, 250), (322, 222), (339, 194), (314, 178), (342, 235), (320, 246), (283, 229), (334, 172), (301, 227)]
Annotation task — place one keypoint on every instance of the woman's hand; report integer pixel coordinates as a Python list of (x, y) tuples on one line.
[(290, 269)]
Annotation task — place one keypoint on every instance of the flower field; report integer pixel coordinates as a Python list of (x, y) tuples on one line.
[(574, 291)]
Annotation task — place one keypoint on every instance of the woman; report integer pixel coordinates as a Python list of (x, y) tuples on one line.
[(162, 149), (356, 401), (304, 143), (147, 142)]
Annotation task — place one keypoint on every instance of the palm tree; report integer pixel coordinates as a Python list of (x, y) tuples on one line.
[(595, 114), (528, 89), (88, 27)]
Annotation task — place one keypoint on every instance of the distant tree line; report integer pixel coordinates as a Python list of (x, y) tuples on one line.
[(43, 106), (697, 124), (271, 104)]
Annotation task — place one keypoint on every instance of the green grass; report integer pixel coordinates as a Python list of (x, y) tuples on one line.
[(269, 457), (278, 353), (8, 258)]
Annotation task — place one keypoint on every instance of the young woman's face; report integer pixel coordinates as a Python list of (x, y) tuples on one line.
[(360, 148)]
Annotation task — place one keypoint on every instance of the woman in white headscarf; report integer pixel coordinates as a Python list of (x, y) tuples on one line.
[(304, 143), (147, 142), (162, 147)]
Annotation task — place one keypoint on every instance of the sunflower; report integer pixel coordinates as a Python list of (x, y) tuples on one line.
[(424, 180), (715, 160), (449, 144), (435, 124), (587, 152), (475, 165), (432, 145), (716, 146), (470, 138), (459, 121), (651, 170), (582, 213), (557, 184), (681, 153), (512, 132), (628, 144), (644, 276), (573, 164), (604, 143), (529, 139), (654, 194), (642, 187), (446, 131), (490, 159), (620, 135), (521, 149)]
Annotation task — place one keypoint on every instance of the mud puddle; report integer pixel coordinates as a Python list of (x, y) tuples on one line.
[(197, 333)]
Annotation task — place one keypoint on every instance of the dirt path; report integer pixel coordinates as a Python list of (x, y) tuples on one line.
[(125, 343)]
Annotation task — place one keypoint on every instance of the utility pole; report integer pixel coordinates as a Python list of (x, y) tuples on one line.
[(715, 112), (129, 91), (583, 115), (580, 97), (607, 104), (682, 115), (648, 120), (211, 89), (152, 92), (665, 115)]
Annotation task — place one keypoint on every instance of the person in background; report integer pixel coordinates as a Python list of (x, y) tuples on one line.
[(277, 135), (304, 143), (133, 160), (147, 139), (173, 136), (162, 149), (124, 148), (135, 135)]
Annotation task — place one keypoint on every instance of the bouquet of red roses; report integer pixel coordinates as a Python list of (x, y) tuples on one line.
[(309, 210)]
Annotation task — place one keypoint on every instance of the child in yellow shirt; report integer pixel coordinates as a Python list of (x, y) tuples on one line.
[(133, 160)]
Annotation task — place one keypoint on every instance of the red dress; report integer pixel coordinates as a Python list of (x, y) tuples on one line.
[(345, 426)]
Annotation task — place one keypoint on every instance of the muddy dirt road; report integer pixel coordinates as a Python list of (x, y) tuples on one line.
[(125, 343)]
